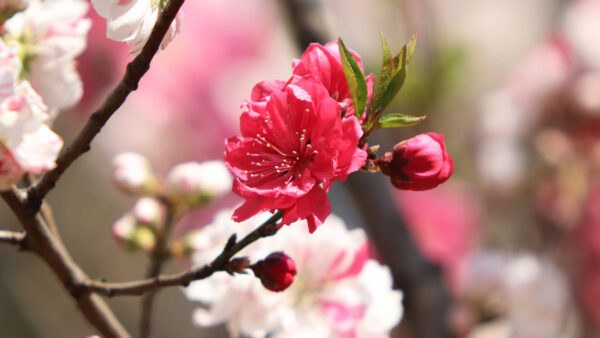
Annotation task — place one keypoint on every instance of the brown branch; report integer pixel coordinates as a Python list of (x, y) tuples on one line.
[(14, 237), (135, 70), (43, 242), (268, 228)]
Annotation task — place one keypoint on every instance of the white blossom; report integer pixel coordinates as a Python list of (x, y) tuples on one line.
[(337, 292), (28, 144), (50, 34), (131, 21)]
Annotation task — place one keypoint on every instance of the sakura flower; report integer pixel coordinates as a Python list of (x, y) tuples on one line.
[(50, 35), (294, 145), (323, 64), (337, 291), (27, 144), (131, 21)]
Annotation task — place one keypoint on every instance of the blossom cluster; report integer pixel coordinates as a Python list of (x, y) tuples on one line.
[(301, 135), (297, 139), (338, 290), (37, 78), (187, 185)]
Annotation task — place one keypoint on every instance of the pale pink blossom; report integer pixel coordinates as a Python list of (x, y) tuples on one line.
[(337, 291), (131, 21), (27, 143), (50, 35)]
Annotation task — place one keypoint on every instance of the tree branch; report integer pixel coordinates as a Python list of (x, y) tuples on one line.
[(135, 70), (43, 242), (268, 228), (14, 237)]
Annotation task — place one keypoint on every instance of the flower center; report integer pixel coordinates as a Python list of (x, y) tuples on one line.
[(280, 157)]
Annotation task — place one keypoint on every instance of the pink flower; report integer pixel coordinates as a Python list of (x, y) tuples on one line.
[(420, 163), (276, 272), (293, 146), (323, 64)]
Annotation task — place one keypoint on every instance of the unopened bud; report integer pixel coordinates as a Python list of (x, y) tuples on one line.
[(129, 234), (276, 272), (144, 239), (420, 163), (123, 230), (133, 174), (199, 183), (149, 212)]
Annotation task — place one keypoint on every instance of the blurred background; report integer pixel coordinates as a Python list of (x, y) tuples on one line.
[(508, 247)]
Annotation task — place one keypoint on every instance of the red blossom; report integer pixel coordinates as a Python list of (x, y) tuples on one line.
[(420, 163), (294, 144), (323, 64), (276, 272)]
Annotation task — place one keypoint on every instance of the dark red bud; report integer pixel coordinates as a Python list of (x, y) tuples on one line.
[(276, 272)]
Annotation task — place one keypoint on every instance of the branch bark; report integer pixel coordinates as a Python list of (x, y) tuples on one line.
[(135, 70), (184, 278), (43, 243)]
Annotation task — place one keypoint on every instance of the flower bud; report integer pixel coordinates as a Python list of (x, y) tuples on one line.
[(276, 272), (420, 163), (149, 212), (129, 234), (198, 183), (123, 230), (133, 174)]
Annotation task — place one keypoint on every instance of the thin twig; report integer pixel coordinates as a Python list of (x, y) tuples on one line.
[(135, 70), (184, 278), (159, 256), (14, 237)]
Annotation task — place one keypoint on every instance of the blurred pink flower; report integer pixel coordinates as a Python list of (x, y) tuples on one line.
[(293, 146), (337, 292), (444, 221)]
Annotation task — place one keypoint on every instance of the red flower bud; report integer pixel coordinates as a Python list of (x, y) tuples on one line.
[(276, 272), (420, 163)]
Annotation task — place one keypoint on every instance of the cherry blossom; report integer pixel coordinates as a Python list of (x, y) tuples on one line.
[(337, 291), (50, 35), (131, 21), (294, 145), (323, 64), (27, 143)]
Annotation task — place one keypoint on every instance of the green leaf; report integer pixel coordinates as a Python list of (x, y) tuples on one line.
[(399, 120), (356, 79), (393, 72)]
